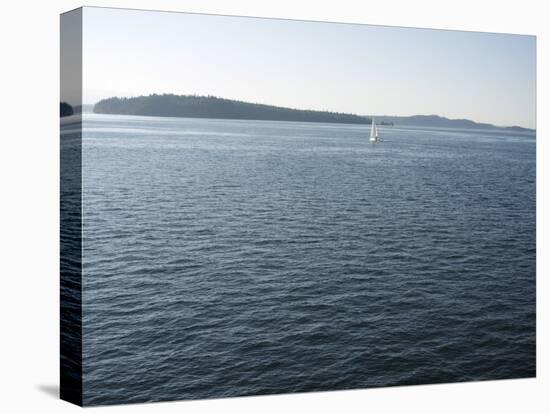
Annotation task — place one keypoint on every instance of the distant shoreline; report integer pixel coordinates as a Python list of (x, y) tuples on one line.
[(192, 106), (210, 107), (501, 130)]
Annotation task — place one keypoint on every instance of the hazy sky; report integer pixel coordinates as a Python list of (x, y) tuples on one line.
[(370, 70)]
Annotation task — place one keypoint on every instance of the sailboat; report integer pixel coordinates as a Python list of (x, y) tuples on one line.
[(373, 132)]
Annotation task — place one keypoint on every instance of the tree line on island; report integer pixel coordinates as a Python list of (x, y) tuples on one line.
[(196, 106), (193, 106)]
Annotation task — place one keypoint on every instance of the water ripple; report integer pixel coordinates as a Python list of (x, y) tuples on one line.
[(239, 258)]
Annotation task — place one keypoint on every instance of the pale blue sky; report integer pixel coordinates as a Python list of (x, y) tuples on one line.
[(362, 69)]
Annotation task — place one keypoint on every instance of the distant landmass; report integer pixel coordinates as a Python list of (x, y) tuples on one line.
[(195, 106), (192, 106), (65, 109), (436, 121)]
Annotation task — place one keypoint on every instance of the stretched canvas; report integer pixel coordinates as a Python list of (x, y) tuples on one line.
[(259, 206)]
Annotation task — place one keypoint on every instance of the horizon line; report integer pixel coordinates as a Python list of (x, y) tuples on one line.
[(318, 110)]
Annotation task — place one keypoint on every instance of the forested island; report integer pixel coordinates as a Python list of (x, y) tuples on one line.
[(196, 106), (193, 106)]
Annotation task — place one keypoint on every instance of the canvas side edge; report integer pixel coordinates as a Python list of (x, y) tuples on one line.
[(71, 207)]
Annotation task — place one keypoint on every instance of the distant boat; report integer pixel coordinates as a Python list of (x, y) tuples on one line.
[(373, 132)]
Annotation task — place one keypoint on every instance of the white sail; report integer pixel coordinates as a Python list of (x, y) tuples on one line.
[(373, 132)]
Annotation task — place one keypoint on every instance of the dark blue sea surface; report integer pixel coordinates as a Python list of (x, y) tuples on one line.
[(225, 258)]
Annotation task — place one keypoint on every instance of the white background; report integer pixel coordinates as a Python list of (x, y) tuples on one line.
[(29, 174)]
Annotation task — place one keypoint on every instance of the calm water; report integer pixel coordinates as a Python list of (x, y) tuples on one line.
[(226, 258)]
